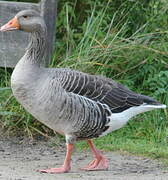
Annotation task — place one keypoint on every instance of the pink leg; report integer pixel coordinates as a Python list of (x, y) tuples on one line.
[(99, 163), (67, 163)]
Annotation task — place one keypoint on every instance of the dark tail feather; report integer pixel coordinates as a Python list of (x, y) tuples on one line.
[(150, 101)]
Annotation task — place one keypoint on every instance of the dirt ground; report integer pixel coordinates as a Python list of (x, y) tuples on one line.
[(20, 158)]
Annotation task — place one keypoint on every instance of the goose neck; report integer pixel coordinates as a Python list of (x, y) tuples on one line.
[(36, 49)]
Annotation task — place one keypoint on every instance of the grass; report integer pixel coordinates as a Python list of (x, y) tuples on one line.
[(102, 44)]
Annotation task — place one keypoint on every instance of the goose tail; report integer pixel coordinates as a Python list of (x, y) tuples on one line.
[(151, 103)]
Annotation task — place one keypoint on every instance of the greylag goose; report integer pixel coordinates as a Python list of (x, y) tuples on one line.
[(75, 104)]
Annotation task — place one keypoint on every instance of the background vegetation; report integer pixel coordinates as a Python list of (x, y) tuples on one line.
[(126, 40)]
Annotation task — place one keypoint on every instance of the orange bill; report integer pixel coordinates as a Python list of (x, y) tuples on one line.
[(13, 24)]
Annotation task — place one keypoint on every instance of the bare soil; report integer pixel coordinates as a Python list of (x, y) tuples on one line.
[(20, 159)]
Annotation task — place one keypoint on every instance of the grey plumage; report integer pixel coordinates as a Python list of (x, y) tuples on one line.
[(103, 90)]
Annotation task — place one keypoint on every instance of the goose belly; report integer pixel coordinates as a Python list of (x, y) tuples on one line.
[(40, 102), (43, 110)]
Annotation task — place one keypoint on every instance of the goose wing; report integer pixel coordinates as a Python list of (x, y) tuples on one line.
[(101, 89)]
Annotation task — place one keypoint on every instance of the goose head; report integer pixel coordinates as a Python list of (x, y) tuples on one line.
[(26, 20)]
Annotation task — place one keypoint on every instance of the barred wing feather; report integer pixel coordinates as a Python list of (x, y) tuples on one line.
[(100, 89)]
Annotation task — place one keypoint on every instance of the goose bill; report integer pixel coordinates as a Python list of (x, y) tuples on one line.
[(13, 24)]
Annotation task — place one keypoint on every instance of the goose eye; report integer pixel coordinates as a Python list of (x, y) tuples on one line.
[(25, 17)]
